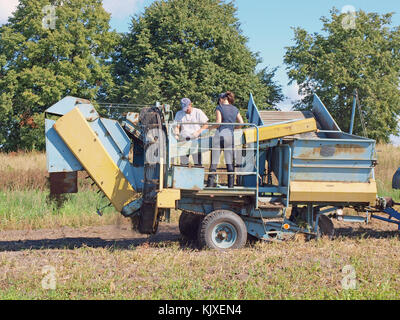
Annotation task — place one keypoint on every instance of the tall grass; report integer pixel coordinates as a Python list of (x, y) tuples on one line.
[(32, 209), (27, 171), (22, 161), (25, 202), (388, 162)]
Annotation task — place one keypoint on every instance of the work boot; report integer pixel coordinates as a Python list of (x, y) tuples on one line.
[(231, 180)]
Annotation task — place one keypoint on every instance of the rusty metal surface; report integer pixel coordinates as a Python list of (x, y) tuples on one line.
[(333, 160), (63, 182), (270, 203)]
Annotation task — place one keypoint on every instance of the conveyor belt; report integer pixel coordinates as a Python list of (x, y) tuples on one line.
[(273, 117)]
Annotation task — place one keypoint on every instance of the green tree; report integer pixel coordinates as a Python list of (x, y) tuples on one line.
[(41, 63), (192, 48), (362, 54)]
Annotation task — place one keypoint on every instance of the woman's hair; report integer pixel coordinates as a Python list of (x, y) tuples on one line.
[(227, 95), (231, 97)]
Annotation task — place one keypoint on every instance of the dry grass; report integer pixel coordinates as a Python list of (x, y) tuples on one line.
[(20, 171), (171, 269), (22, 161), (388, 162), (165, 270)]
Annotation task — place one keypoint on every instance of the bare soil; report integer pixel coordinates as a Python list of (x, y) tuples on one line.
[(121, 236), (114, 262)]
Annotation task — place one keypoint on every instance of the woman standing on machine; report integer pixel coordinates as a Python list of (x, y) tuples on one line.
[(226, 113)]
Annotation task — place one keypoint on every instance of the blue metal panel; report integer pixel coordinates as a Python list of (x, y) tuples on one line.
[(138, 176), (188, 178), (250, 181), (88, 111), (340, 149), (396, 180), (58, 156), (107, 139), (206, 208), (206, 205), (323, 116), (252, 113), (347, 160), (269, 230), (65, 105), (118, 135)]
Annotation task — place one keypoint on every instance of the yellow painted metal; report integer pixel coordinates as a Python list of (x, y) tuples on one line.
[(319, 191), (280, 130), (88, 149), (166, 198)]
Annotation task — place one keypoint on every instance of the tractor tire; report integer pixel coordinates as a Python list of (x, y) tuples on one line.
[(189, 224), (222, 230)]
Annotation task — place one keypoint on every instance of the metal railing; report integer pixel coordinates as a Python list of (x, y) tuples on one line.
[(200, 149)]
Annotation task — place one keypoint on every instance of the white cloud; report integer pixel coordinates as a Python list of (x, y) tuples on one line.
[(292, 94), (121, 8), (6, 9), (395, 140)]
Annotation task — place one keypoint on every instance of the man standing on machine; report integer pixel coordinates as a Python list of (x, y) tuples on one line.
[(186, 132)]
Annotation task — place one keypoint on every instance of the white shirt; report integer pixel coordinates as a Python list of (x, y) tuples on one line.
[(187, 130)]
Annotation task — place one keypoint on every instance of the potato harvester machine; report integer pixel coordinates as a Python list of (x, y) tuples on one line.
[(294, 172)]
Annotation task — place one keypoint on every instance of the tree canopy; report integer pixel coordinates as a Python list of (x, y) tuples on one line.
[(41, 63), (192, 48), (341, 59)]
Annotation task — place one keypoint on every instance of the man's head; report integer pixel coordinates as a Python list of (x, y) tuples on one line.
[(186, 105)]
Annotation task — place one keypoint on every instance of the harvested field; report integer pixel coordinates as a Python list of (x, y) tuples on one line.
[(92, 257), (112, 262)]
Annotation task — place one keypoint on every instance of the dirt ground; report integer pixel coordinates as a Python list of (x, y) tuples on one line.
[(121, 235), (113, 262)]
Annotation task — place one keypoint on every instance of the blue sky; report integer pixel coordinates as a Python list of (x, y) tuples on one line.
[(267, 24)]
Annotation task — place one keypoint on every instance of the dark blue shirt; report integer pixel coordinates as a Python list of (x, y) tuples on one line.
[(229, 114)]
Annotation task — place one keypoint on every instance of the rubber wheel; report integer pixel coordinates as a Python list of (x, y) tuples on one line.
[(222, 230), (189, 224)]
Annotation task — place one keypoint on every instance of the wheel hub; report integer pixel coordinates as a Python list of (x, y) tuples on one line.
[(224, 235)]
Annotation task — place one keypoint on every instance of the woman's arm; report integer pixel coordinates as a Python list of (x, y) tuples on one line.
[(218, 120), (239, 119)]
